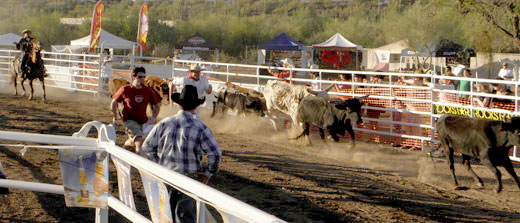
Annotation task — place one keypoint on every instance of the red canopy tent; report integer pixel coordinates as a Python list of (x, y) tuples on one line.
[(337, 52)]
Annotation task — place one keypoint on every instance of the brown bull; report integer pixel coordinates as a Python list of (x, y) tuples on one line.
[(160, 86), (116, 83), (490, 141)]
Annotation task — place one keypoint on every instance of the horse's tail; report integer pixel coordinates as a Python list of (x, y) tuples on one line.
[(43, 71)]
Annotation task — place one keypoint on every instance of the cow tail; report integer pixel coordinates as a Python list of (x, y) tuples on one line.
[(299, 136), (170, 92), (445, 140)]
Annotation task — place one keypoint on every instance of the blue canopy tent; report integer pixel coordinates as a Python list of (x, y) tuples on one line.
[(283, 42)]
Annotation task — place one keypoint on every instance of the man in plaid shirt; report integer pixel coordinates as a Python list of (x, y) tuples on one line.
[(177, 142)]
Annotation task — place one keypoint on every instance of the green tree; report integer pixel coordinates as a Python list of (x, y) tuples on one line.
[(422, 26), (503, 15), (49, 30)]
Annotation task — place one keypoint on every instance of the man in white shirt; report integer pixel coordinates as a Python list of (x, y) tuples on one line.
[(194, 78), (315, 76), (106, 72), (506, 73)]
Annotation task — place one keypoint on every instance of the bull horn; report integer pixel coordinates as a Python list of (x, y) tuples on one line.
[(170, 92), (327, 89), (362, 97), (312, 91)]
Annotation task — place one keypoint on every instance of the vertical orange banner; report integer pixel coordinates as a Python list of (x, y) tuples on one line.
[(97, 22), (142, 30)]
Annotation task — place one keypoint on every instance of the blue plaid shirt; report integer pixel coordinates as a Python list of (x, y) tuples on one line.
[(177, 142)]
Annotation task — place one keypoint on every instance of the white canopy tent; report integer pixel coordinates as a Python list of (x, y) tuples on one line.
[(8, 39), (106, 40), (65, 48), (338, 41)]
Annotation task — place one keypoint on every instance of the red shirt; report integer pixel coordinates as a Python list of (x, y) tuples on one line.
[(283, 74), (135, 102)]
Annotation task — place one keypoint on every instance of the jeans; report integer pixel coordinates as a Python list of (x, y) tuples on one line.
[(23, 63)]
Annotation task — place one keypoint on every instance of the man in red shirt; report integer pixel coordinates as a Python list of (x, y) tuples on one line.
[(284, 74), (135, 98)]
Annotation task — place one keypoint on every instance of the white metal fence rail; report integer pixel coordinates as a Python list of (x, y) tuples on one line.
[(106, 141), (72, 72)]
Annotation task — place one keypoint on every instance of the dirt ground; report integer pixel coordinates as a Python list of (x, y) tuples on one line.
[(323, 183)]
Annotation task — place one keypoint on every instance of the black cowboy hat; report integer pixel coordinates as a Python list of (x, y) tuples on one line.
[(188, 98)]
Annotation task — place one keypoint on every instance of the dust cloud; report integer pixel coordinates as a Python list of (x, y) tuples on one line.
[(414, 164)]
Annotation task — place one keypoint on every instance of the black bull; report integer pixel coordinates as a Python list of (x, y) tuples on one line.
[(236, 100), (488, 140), (334, 115)]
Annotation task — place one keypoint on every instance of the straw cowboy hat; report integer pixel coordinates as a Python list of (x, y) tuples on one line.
[(314, 66), (26, 31), (195, 67), (188, 98), (287, 61)]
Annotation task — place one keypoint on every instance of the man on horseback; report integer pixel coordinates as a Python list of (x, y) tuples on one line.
[(30, 64), (25, 46)]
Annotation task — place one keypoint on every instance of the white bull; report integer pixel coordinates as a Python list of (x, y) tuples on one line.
[(284, 97)]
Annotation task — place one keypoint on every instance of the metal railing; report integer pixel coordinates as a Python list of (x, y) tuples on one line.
[(106, 141)]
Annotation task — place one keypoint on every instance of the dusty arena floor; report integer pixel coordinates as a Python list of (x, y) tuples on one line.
[(325, 183)]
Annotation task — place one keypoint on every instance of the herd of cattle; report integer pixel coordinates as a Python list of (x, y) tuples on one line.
[(489, 141)]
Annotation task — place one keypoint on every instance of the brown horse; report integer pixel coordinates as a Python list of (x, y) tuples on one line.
[(35, 70)]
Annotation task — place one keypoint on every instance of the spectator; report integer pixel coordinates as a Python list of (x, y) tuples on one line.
[(400, 81), (449, 72), (374, 113), (135, 98), (396, 117), (177, 143), (377, 79), (443, 84), (359, 78), (284, 74), (195, 78), (481, 101), (315, 76), (506, 73), (413, 118), (501, 89), (416, 81), (343, 87), (106, 68), (465, 85)]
